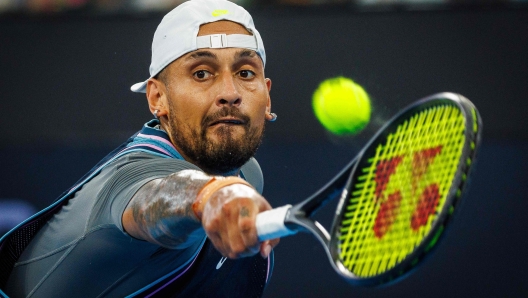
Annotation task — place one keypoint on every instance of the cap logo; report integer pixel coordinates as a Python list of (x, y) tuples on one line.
[(219, 12)]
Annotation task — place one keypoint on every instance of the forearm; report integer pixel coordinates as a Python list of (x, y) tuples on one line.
[(176, 211), (161, 211)]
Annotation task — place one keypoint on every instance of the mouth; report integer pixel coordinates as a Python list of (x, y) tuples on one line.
[(228, 121)]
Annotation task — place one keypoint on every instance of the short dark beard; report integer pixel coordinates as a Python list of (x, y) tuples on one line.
[(224, 157)]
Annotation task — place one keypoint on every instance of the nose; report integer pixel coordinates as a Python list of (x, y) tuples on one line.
[(228, 95)]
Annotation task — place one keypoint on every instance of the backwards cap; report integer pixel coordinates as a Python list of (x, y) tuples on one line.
[(176, 35)]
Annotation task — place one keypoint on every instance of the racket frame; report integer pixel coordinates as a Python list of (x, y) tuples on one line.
[(298, 216), (473, 132), (288, 220)]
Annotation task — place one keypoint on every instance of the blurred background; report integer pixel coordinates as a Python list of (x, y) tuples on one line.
[(66, 67)]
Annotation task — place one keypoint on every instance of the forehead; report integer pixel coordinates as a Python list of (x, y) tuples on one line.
[(218, 56), (225, 27), (218, 27)]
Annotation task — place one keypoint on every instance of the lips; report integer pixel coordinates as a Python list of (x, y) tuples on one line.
[(228, 121)]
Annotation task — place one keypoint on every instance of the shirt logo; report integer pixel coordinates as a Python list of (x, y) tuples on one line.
[(219, 12), (220, 263)]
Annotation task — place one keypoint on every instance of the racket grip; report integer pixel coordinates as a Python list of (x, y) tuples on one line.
[(270, 224)]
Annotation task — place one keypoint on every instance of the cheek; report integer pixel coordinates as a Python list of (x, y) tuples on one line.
[(258, 113), (257, 91), (187, 108), (254, 87)]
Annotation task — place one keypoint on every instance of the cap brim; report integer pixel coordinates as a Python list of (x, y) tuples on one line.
[(140, 87)]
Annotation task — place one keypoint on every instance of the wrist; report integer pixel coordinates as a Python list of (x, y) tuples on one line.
[(210, 188)]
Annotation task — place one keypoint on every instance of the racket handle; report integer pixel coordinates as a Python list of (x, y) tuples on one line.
[(270, 224)]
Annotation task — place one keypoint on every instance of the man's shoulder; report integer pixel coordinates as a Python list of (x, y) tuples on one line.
[(250, 171), (141, 159)]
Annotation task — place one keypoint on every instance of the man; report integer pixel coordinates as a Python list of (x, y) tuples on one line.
[(162, 213)]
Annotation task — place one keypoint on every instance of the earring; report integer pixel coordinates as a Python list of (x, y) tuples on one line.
[(273, 117), (156, 114)]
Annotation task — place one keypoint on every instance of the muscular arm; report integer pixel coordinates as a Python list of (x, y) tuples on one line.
[(161, 212)]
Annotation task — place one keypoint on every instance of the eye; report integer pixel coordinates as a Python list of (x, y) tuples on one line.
[(202, 74), (246, 74)]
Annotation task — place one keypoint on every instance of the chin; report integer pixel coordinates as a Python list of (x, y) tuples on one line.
[(220, 134)]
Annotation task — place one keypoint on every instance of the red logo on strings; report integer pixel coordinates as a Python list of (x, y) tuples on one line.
[(390, 205)]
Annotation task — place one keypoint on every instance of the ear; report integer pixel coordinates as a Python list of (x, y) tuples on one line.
[(157, 96), (268, 106)]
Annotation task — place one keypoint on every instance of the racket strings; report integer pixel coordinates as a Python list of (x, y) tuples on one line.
[(400, 191)]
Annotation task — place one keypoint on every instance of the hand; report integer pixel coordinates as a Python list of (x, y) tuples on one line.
[(229, 218)]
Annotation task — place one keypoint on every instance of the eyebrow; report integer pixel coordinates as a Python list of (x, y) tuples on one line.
[(245, 53), (202, 54)]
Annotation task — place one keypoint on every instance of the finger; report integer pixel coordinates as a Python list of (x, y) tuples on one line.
[(239, 247), (248, 231), (217, 242), (274, 242), (264, 205), (265, 249), (267, 246), (215, 229), (241, 234)]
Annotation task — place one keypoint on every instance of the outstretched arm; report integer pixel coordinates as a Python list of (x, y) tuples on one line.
[(162, 212)]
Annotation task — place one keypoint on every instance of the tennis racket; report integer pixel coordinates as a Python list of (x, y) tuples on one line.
[(396, 197)]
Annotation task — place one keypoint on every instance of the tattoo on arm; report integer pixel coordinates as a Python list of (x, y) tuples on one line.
[(244, 212), (162, 209)]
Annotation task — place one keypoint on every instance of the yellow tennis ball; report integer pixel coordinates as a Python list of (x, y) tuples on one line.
[(341, 105)]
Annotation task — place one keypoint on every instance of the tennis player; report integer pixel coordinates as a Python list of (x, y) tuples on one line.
[(172, 211)]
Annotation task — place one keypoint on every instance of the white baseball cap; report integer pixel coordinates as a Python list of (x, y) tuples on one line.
[(176, 35)]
